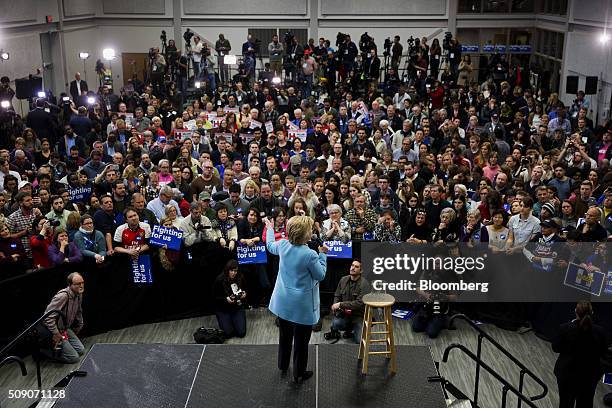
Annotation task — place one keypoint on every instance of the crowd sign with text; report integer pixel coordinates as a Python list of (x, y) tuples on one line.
[(584, 279), (141, 269), (338, 249), (79, 194), (171, 237), (255, 254)]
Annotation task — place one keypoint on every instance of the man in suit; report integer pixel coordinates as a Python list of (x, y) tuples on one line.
[(77, 87), (41, 121)]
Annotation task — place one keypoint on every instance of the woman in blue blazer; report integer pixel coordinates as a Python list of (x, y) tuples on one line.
[(295, 299)]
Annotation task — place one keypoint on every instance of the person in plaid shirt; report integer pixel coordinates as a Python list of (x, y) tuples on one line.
[(20, 222)]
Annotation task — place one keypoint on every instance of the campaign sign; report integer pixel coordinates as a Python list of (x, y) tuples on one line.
[(141, 269), (183, 134), (584, 280), (519, 49), (269, 127), (608, 288), (470, 48), (190, 124), (229, 138), (246, 137), (298, 133), (161, 236), (229, 109), (79, 194), (255, 124), (338, 249), (251, 255), (494, 48), (216, 121)]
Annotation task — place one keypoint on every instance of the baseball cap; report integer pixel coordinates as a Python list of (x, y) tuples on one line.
[(549, 223), (204, 195), (161, 139), (22, 184)]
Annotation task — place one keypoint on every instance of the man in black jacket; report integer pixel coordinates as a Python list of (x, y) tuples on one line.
[(266, 201), (348, 307), (41, 121)]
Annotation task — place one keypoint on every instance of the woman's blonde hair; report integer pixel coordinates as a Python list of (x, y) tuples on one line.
[(299, 229)]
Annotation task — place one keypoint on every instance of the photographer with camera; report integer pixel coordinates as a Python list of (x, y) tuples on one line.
[(249, 55), (196, 227), (229, 292), (40, 241), (396, 52), (58, 214), (293, 55), (223, 47), (157, 69), (348, 307)]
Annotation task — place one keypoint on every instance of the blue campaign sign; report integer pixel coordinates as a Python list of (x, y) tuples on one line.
[(141, 269), (608, 288), (494, 48), (470, 48), (587, 281), (251, 255), (519, 49), (338, 249), (79, 194), (171, 237)]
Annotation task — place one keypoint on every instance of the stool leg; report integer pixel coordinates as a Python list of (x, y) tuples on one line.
[(391, 340), (366, 344), (363, 331)]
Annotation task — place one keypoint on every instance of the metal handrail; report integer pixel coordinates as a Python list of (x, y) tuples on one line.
[(12, 343), (524, 370), (31, 327), (507, 386), (15, 359)]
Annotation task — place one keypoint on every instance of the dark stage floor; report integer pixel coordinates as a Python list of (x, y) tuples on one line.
[(157, 375)]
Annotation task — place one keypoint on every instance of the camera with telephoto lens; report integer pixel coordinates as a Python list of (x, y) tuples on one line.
[(340, 38), (54, 223), (333, 334), (448, 36), (343, 313), (198, 226)]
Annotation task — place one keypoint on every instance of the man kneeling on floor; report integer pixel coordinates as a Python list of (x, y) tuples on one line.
[(348, 305), (66, 346)]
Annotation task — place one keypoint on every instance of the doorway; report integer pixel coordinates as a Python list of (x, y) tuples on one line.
[(134, 63)]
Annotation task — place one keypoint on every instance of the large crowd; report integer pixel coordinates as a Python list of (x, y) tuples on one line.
[(434, 156)]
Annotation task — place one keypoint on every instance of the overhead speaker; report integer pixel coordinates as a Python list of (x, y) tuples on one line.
[(27, 87), (590, 87), (571, 84)]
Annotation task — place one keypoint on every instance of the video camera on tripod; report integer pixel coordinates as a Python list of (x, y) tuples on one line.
[(448, 36), (366, 43), (387, 47)]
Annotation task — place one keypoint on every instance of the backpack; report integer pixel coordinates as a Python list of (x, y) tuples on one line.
[(206, 335)]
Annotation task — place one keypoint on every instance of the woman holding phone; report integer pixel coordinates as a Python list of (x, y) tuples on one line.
[(295, 299)]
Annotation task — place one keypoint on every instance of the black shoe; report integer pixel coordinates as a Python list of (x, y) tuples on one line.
[(317, 326), (303, 377), (348, 335)]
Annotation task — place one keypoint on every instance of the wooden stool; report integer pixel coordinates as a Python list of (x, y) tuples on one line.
[(373, 301)]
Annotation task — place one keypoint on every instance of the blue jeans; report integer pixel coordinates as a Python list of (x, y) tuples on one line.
[(348, 324), (70, 352), (232, 323), (432, 324)]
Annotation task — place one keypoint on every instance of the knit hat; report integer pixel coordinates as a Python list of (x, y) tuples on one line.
[(549, 207)]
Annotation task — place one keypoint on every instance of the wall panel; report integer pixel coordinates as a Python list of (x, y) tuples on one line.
[(19, 12), (383, 7), (134, 7), (241, 7), (78, 8)]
